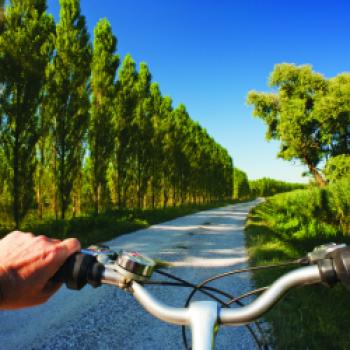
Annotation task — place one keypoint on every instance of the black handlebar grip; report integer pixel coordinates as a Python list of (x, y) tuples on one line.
[(78, 270)]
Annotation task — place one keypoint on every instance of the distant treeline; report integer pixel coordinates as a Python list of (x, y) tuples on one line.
[(268, 187), (244, 188), (80, 133)]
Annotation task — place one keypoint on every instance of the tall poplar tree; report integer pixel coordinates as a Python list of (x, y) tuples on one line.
[(179, 150), (142, 131), (101, 136), (24, 53), (167, 165), (125, 103), (156, 142), (68, 97)]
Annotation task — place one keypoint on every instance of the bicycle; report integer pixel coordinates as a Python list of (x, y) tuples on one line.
[(327, 264)]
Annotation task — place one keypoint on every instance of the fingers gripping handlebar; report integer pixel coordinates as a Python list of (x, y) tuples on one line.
[(96, 267)]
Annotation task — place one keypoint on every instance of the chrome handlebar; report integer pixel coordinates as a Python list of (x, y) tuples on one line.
[(240, 316), (327, 264), (246, 314), (204, 316)]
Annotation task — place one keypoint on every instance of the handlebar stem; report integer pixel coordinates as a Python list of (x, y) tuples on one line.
[(204, 318)]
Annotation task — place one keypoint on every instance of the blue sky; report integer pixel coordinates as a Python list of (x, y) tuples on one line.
[(208, 54)]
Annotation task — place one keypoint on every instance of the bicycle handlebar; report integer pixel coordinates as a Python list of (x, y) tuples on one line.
[(239, 316), (329, 264)]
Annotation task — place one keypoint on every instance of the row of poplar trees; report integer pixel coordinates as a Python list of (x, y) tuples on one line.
[(79, 133)]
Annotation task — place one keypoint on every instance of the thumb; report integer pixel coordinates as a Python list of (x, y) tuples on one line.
[(65, 249), (70, 245)]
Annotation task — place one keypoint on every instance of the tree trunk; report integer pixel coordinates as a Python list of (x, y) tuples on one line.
[(55, 199), (139, 191), (63, 209), (16, 167), (62, 197), (74, 208), (119, 190), (15, 182), (153, 194), (165, 195), (153, 184), (174, 194), (41, 175), (321, 182), (97, 195)]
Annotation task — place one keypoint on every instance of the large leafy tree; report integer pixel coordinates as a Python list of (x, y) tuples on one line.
[(68, 97), (291, 116), (25, 45), (333, 108), (337, 167), (101, 134)]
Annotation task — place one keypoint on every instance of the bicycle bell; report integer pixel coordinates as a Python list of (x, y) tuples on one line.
[(134, 266)]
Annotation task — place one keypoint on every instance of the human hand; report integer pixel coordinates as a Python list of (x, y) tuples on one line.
[(27, 263)]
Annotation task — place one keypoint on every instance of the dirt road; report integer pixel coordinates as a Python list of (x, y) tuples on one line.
[(200, 245)]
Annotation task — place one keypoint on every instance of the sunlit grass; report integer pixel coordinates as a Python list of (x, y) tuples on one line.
[(284, 228)]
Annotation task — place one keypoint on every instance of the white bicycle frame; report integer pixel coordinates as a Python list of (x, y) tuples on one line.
[(203, 317)]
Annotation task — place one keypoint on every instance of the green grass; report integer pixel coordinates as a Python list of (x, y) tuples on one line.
[(286, 227), (99, 228)]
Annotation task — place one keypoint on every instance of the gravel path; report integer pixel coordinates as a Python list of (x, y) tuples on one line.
[(201, 245)]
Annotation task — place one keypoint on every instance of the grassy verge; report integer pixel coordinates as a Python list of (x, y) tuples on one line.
[(312, 317), (100, 228)]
